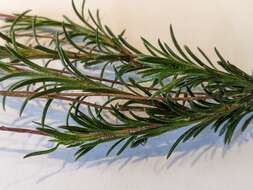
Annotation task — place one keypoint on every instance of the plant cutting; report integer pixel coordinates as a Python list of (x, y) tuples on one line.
[(145, 93)]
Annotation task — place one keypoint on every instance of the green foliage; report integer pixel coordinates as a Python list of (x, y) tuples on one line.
[(152, 93)]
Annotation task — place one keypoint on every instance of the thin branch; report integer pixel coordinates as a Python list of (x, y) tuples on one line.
[(7, 16), (25, 94), (22, 130), (37, 35), (123, 96), (108, 80), (100, 135)]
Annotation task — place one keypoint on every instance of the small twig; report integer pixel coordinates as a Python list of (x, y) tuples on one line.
[(22, 130), (24, 94), (102, 136), (107, 80), (123, 96), (104, 79), (38, 35), (6, 16)]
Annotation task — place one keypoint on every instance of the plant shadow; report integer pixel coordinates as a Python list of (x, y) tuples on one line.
[(204, 146)]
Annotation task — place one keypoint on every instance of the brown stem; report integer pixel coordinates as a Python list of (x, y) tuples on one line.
[(104, 80), (6, 16), (96, 135), (124, 132), (108, 80), (123, 96), (37, 35), (66, 98), (22, 130)]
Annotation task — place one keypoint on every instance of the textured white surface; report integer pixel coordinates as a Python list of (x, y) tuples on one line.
[(203, 164)]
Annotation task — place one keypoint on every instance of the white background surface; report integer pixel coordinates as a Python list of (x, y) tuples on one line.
[(203, 164)]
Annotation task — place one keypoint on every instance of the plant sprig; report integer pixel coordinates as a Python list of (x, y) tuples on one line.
[(148, 94)]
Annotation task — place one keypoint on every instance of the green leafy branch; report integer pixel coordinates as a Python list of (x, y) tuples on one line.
[(147, 94)]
